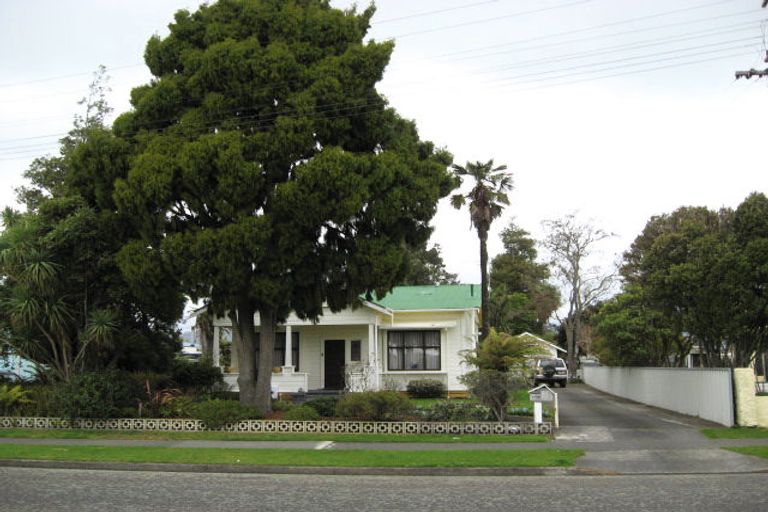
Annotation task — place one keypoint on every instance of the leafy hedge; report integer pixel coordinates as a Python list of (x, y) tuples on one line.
[(217, 413), (302, 413), (374, 406), (97, 395), (426, 388), (325, 406)]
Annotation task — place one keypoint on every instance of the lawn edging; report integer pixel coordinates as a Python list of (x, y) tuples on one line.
[(284, 426)]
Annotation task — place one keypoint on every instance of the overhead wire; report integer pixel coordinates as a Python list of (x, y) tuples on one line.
[(261, 119), (562, 58), (258, 122)]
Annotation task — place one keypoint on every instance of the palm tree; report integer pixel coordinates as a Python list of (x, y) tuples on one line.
[(486, 202)]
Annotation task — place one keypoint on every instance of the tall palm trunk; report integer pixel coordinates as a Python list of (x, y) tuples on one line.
[(484, 313)]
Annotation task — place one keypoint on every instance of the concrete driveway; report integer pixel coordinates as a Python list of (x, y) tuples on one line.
[(626, 437)]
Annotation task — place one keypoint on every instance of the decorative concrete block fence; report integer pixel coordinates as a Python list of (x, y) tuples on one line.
[(285, 426)]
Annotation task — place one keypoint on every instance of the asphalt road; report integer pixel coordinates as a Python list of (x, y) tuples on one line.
[(25, 489)]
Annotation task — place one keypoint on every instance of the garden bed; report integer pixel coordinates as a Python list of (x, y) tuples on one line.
[(284, 426)]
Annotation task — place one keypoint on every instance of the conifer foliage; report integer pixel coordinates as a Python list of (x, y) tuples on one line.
[(270, 175)]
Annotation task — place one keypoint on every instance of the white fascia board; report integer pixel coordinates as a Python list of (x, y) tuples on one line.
[(376, 307), (458, 310), (418, 325)]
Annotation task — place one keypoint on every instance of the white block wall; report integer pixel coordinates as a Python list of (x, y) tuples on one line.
[(705, 393)]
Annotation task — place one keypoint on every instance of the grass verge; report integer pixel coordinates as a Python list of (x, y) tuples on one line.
[(757, 451), (22, 433), (735, 433), (317, 458)]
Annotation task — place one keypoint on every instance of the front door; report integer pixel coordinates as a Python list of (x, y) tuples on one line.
[(334, 364)]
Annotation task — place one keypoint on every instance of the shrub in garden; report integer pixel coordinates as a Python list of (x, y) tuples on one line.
[(302, 413), (96, 395), (426, 388), (195, 376), (217, 413), (282, 405), (11, 398), (179, 407), (325, 406), (374, 406), (457, 410)]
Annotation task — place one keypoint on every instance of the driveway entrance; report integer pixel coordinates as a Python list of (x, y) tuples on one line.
[(627, 437)]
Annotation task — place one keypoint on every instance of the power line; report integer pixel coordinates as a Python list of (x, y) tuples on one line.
[(634, 72), (611, 24), (614, 34), (489, 20), (616, 61), (257, 119), (647, 43), (374, 23), (437, 11)]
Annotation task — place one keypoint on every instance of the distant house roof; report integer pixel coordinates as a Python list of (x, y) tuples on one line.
[(432, 297), (542, 341)]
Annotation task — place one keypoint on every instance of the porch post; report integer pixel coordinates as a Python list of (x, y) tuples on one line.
[(372, 359), (288, 347), (216, 335)]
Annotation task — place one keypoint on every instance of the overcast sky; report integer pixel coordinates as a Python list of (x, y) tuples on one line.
[(615, 109)]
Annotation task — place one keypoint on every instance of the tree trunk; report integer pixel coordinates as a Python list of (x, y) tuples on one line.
[(266, 353), (246, 337), (484, 313), (571, 330), (204, 325)]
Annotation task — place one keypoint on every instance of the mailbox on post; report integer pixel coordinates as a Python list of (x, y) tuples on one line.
[(539, 395)]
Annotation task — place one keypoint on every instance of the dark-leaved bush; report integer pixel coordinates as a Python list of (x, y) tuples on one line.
[(96, 395), (325, 406), (374, 406), (426, 388), (195, 376)]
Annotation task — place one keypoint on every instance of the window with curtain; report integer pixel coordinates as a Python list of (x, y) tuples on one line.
[(413, 350), (279, 355), (355, 352)]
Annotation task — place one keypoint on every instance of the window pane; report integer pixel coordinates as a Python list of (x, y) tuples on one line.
[(295, 350), (395, 339), (432, 338), (413, 338), (354, 350), (432, 356), (414, 358), (395, 361), (280, 340), (279, 355)]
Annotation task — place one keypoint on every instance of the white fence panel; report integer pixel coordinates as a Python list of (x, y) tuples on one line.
[(706, 393)]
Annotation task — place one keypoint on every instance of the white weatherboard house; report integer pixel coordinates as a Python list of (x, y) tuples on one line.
[(414, 332)]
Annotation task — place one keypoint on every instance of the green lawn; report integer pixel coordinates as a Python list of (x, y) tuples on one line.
[(735, 433), (757, 451), (317, 458), (233, 436)]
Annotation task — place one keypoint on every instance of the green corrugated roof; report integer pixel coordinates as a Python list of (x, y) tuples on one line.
[(445, 296)]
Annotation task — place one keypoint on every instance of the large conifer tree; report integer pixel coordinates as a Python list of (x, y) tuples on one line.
[(270, 175)]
